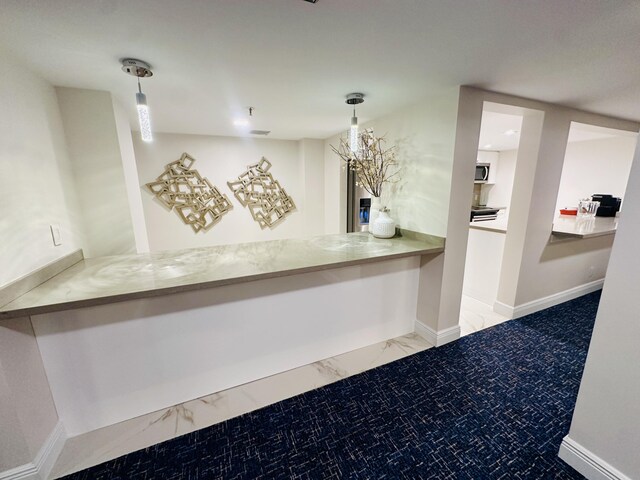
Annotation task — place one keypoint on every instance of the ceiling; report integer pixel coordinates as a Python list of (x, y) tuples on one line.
[(501, 131), (294, 61)]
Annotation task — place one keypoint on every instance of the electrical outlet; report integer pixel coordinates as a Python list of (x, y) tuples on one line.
[(55, 234)]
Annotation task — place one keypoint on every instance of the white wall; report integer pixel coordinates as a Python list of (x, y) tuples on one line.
[(37, 187), (132, 183), (94, 149), (606, 420), (311, 158), (298, 166), (424, 135), (335, 191), (27, 411), (595, 166), (500, 192)]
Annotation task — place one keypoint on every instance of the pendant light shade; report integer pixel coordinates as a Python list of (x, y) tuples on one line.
[(143, 117), (140, 69), (353, 134), (354, 99)]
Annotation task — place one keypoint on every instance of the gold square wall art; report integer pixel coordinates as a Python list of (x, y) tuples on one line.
[(267, 201), (181, 189)]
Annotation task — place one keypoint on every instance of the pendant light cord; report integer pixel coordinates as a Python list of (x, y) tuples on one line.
[(139, 87)]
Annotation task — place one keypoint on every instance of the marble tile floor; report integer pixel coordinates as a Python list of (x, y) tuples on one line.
[(116, 440), (475, 316)]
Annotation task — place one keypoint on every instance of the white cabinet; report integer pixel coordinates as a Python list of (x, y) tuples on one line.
[(492, 159), (483, 265)]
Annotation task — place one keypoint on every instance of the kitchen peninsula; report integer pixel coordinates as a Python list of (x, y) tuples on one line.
[(130, 334)]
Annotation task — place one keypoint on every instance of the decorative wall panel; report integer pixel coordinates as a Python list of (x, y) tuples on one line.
[(181, 189), (267, 201)]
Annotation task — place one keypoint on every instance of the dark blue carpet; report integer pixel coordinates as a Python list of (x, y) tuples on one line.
[(493, 405)]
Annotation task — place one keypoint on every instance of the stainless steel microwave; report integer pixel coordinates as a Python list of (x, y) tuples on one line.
[(482, 172)]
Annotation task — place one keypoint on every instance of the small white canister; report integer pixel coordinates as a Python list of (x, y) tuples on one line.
[(384, 226)]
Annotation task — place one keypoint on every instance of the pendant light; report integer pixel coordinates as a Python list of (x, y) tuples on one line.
[(140, 69), (354, 99)]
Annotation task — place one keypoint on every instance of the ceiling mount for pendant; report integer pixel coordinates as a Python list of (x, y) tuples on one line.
[(137, 68), (354, 99)]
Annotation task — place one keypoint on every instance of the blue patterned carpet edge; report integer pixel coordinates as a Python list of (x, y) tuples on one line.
[(493, 405)]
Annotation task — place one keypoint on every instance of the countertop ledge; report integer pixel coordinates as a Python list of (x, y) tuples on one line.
[(104, 280), (498, 226), (572, 227)]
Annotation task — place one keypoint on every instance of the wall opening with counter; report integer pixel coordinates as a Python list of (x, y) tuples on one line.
[(537, 270), (597, 161), (593, 183)]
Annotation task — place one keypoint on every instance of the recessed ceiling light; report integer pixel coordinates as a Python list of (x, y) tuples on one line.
[(488, 145), (241, 122), (511, 132)]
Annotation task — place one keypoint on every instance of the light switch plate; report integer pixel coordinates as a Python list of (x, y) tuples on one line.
[(55, 234)]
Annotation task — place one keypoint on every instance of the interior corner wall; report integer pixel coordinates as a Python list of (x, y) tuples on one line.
[(606, 419), (132, 182), (423, 135), (94, 149), (335, 190), (27, 411), (446, 311), (311, 154), (38, 186), (295, 165), (521, 205), (500, 192)]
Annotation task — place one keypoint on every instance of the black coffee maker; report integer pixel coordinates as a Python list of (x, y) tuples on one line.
[(609, 205)]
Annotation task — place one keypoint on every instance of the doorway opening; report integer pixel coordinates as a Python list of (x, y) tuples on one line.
[(498, 144)]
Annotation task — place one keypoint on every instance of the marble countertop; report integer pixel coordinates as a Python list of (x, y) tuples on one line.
[(103, 280), (580, 227), (498, 225)]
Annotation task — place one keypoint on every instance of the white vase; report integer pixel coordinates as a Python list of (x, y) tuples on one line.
[(384, 226), (374, 211)]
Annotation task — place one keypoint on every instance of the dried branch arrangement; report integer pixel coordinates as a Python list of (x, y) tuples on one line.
[(373, 164)]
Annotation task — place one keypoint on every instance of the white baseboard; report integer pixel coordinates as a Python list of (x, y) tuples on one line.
[(546, 302), (587, 463), (41, 466), (503, 309), (437, 338)]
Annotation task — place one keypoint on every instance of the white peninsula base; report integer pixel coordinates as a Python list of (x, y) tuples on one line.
[(109, 363)]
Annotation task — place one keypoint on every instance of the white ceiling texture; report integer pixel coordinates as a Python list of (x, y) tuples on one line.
[(294, 61), (501, 131)]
